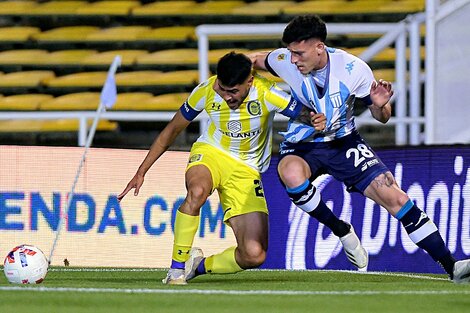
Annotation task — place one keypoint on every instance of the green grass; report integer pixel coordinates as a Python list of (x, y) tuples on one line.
[(250, 291)]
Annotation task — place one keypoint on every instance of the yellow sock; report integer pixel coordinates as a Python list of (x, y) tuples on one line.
[(222, 263), (185, 229)]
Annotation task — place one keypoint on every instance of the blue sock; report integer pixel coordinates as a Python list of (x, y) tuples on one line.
[(176, 264), (201, 268), (424, 233)]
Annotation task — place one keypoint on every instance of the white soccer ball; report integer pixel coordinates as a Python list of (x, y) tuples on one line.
[(25, 264)]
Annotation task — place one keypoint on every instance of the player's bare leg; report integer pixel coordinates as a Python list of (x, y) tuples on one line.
[(295, 174), (421, 230), (199, 186)]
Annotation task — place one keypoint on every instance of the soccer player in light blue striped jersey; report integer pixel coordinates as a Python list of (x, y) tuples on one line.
[(330, 82)]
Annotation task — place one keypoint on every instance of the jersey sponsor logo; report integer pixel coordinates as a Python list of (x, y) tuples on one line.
[(242, 135), (281, 57), (349, 67), (215, 106), (195, 158), (254, 107), (336, 99), (287, 151), (234, 126)]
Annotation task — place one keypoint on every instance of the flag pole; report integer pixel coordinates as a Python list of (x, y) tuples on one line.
[(107, 99)]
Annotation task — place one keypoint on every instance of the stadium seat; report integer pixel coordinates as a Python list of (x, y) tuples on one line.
[(262, 8), (115, 7), (27, 102), (60, 125), (173, 33), (16, 7), (170, 57), (72, 57), (219, 8), (128, 57), (162, 8), (26, 78), (216, 54), (402, 6), (387, 74), (165, 102), (22, 57), (81, 101), (131, 101), (142, 78), (67, 33), (57, 7), (18, 33), (121, 33), (76, 80), (386, 55)]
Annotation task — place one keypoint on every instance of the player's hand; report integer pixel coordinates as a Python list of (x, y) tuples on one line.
[(318, 121), (135, 183), (381, 92)]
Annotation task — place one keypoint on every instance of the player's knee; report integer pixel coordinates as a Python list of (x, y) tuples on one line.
[(293, 172), (196, 197), (252, 257)]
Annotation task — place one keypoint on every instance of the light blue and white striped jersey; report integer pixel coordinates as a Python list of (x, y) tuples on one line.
[(345, 78)]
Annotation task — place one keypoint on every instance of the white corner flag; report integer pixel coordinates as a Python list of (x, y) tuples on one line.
[(109, 93), (107, 100)]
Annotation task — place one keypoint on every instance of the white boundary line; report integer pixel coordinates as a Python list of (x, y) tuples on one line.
[(393, 274), (237, 292)]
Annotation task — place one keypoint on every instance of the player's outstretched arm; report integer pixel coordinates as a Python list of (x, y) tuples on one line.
[(380, 94), (159, 146), (258, 59)]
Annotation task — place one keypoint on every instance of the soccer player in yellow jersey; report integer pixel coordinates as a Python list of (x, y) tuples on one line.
[(229, 156)]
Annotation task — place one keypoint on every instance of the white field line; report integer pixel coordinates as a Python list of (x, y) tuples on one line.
[(236, 292), (407, 275)]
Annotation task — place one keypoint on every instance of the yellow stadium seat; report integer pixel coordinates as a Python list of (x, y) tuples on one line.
[(115, 7), (26, 78), (165, 102), (27, 56), (16, 7), (128, 57), (61, 125), (26, 102), (131, 101), (213, 8), (162, 8), (67, 33), (81, 101), (387, 74), (59, 7), (67, 57), (18, 33), (173, 33), (142, 78), (262, 8), (402, 6), (170, 57), (84, 79), (386, 55), (121, 33)]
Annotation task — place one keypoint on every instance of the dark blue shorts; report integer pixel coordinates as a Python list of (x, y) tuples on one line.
[(348, 159)]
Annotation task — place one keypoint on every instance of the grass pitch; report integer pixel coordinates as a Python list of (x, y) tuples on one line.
[(140, 290)]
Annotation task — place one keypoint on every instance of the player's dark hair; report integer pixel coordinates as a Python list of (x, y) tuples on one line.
[(304, 27), (233, 69)]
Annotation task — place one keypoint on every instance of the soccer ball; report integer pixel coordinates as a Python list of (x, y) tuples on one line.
[(25, 264)]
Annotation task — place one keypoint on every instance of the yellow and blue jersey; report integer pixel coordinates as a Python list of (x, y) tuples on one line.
[(244, 133)]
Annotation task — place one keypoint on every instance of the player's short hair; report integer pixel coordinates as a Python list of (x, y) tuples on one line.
[(304, 27), (233, 69)]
